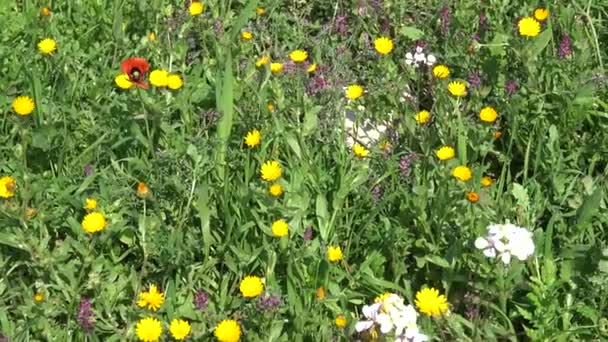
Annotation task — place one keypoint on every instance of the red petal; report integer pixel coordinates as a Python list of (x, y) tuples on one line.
[(141, 84), (128, 65)]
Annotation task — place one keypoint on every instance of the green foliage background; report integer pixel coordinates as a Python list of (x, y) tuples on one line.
[(207, 224)]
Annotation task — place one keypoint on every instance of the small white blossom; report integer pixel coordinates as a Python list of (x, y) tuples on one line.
[(506, 241)]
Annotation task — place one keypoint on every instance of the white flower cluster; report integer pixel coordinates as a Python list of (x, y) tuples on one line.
[(506, 240), (419, 58), (366, 133), (391, 314)]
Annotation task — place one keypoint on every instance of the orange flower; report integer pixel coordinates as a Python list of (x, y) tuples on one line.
[(473, 197), (142, 190)]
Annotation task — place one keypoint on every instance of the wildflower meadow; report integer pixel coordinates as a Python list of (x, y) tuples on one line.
[(346, 170)]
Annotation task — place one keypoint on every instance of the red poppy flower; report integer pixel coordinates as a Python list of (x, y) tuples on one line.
[(136, 68)]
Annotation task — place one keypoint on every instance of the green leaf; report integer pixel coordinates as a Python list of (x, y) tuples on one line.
[(590, 207), (540, 42), (247, 12), (411, 32), (439, 261), (322, 216)]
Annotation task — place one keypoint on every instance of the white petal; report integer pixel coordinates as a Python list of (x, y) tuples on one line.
[(489, 252), (430, 59), (386, 324), (481, 243), (363, 325), (370, 311), (505, 257), (500, 246), (409, 55), (420, 57)]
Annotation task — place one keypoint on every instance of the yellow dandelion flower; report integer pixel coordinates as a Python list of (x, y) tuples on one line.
[(152, 36), (280, 228), (423, 117), (271, 107), (47, 46), (179, 329), (148, 329), (487, 181), (334, 253), (30, 212), (360, 151), (276, 67), (457, 88), (473, 197), (251, 286), (142, 190), (445, 153), (123, 81), (271, 171), (45, 11), (7, 187), (174, 82), (528, 27), (260, 10), (196, 8), (23, 105), (298, 56), (90, 204), (253, 138), (462, 173), (312, 68), (354, 92), (441, 71), (383, 45), (320, 293), (541, 14), (488, 114), (430, 302), (151, 299), (246, 35), (227, 331), (341, 321), (94, 222), (262, 61), (39, 297), (159, 78), (276, 189), (381, 298)]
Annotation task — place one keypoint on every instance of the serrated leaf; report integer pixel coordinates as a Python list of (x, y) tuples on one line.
[(411, 32)]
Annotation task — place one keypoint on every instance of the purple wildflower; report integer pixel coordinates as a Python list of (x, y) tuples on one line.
[(269, 302), (483, 21), (511, 87), (201, 300), (385, 25), (341, 25), (471, 305), (474, 79), (476, 37), (405, 163), (308, 234), (89, 170), (316, 84), (85, 315), (218, 27), (565, 46), (377, 192), (445, 14)]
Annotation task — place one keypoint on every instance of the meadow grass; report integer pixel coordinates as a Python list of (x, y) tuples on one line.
[(153, 212)]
